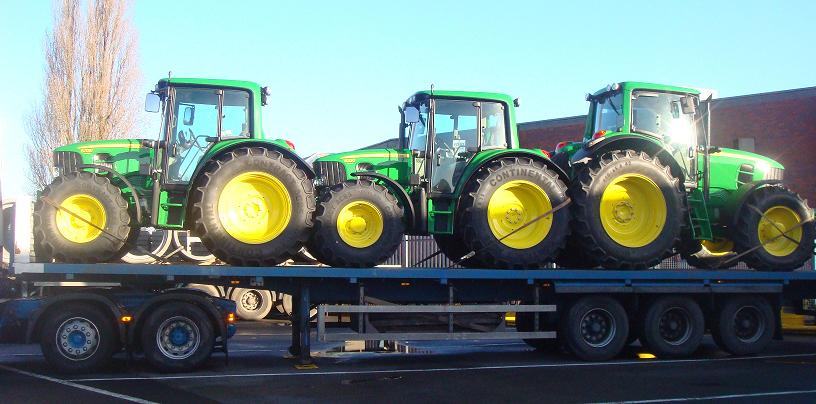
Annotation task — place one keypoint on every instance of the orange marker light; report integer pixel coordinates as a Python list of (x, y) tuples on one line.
[(291, 145), (126, 319), (560, 145), (231, 318), (599, 134), (546, 153)]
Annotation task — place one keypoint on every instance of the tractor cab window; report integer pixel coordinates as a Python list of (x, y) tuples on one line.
[(661, 115), (194, 124), (494, 133), (235, 114), (416, 131), (456, 139), (608, 113)]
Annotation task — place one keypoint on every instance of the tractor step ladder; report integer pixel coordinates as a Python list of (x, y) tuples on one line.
[(698, 216)]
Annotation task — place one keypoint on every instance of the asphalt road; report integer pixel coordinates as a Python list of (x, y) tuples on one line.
[(450, 371)]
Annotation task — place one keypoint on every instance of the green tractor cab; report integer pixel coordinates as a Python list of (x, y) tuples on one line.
[(212, 171), (457, 174), (647, 183)]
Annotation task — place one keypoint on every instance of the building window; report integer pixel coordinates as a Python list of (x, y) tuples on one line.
[(745, 143)]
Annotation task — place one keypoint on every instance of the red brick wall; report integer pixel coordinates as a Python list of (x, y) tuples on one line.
[(783, 125)]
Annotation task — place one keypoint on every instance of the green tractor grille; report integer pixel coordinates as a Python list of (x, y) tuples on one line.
[(329, 173), (66, 161)]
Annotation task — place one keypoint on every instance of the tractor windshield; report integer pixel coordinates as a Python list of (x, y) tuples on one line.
[(608, 115)]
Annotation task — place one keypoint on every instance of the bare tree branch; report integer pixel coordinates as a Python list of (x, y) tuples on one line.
[(91, 79)]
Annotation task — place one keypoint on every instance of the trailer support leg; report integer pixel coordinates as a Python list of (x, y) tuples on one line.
[(301, 345)]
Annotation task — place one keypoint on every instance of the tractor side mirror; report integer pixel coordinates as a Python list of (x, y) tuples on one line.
[(189, 115), (411, 115), (152, 102), (689, 104)]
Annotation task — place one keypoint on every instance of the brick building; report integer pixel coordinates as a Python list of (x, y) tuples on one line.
[(779, 124)]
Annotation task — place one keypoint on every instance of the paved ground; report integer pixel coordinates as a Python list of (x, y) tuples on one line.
[(471, 371)]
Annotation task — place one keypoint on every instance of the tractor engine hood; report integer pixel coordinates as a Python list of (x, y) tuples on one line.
[(109, 146), (761, 166)]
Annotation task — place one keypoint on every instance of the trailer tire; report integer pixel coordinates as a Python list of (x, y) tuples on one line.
[(743, 325), (78, 326), (63, 237), (499, 200), (357, 224), (595, 328), (177, 337), (252, 304), (252, 207), (628, 210), (672, 327), (783, 209)]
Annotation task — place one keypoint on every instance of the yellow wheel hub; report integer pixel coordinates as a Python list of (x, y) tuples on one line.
[(633, 210), (513, 205), (79, 230), (774, 222), (720, 246), (360, 224), (254, 207)]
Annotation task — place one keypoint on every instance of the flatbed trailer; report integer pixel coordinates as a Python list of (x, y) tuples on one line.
[(594, 313)]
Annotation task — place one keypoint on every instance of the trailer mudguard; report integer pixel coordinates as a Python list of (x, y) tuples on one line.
[(89, 297)]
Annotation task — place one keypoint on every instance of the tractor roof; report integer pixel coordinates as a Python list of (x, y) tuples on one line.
[(631, 85), (479, 95), (210, 82)]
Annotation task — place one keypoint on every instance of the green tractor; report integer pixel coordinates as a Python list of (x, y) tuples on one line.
[(646, 183), (212, 171), (457, 174)]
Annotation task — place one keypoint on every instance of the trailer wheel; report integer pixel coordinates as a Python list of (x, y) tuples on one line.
[(96, 204), (768, 213), (595, 328), (357, 224), (744, 325), (498, 201), (252, 304), (252, 207), (672, 327), (628, 210), (78, 338), (177, 337), (525, 323)]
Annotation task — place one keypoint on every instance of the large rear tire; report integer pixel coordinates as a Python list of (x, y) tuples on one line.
[(672, 327), (501, 199), (64, 237), (628, 210), (744, 325), (177, 337), (357, 224), (79, 338), (778, 210), (595, 328), (252, 207)]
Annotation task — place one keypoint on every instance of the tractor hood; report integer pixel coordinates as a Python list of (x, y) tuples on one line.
[(370, 156), (110, 146), (731, 166), (761, 163)]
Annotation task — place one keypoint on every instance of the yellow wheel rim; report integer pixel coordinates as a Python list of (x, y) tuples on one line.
[(514, 204), (254, 207), (773, 220), (78, 230), (360, 224), (633, 210), (720, 246)]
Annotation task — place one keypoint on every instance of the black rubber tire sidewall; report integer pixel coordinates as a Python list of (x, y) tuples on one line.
[(109, 341), (570, 328), (746, 236), (50, 243), (587, 191), (327, 245), (252, 315), (207, 190), (649, 327), (155, 319), (473, 226), (723, 333)]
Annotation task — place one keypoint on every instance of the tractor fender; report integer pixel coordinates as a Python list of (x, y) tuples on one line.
[(88, 297), (136, 200), (395, 189), (547, 162), (195, 297), (291, 155), (628, 142), (732, 207)]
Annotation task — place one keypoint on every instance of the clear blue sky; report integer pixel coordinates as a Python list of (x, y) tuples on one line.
[(338, 70)]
